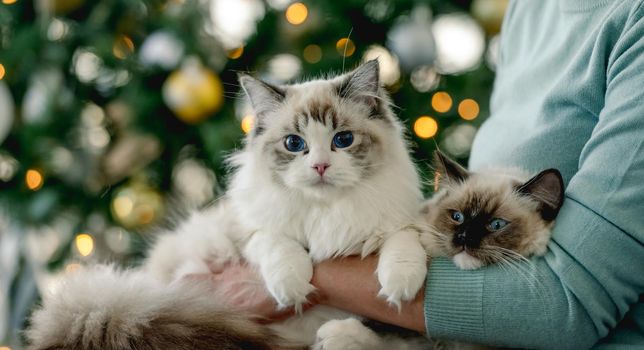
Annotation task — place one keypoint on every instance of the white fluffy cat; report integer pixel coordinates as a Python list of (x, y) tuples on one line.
[(325, 173)]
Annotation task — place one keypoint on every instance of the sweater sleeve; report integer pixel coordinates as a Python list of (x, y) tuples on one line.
[(593, 271)]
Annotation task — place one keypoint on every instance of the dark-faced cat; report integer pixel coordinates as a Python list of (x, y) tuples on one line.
[(484, 217), (475, 219)]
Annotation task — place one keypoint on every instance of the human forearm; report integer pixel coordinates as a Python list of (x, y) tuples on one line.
[(351, 284)]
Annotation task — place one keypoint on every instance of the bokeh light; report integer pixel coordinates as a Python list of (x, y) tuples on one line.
[(345, 47), (8, 2), (234, 21), (235, 53), (441, 102), (2, 71), (247, 123), (284, 67), (296, 13), (34, 179), (389, 67), (468, 109), (84, 244), (425, 127), (460, 43), (123, 47), (312, 53)]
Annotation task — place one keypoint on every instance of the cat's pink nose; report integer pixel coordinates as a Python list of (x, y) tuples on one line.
[(321, 167)]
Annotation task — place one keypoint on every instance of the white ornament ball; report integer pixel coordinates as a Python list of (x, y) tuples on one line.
[(412, 41), (162, 49)]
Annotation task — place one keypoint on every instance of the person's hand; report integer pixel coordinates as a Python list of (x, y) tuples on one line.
[(241, 286)]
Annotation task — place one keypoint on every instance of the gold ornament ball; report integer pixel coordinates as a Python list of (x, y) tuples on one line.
[(136, 205), (193, 93), (490, 14)]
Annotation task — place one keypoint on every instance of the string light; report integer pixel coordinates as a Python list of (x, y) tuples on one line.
[(345, 47), (123, 205), (34, 179), (441, 102), (84, 244), (247, 123), (2, 71), (312, 54), (235, 53), (123, 47), (425, 127), (468, 109), (296, 13), (8, 2)]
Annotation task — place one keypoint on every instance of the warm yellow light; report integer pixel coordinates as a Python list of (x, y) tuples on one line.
[(84, 244), (123, 47), (122, 206), (468, 109), (247, 123), (34, 179), (441, 102), (235, 53), (425, 127), (2, 71), (296, 13), (345, 47), (8, 2), (312, 54), (6, 347)]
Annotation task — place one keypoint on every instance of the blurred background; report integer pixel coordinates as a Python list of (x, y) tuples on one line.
[(116, 115)]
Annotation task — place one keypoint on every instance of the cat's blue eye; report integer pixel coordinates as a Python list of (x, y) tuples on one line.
[(458, 216), (343, 139), (294, 143), (497, 224)]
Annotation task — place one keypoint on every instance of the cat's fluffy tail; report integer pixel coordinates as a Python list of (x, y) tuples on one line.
[(103, 308)]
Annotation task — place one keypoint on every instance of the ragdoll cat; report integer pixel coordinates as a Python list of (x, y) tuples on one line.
[(325, 170), (475, 219)]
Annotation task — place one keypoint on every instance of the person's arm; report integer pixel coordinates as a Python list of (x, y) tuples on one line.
[(351, 284), (593, 272)]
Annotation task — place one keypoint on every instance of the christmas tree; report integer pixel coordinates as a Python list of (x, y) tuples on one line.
[(116, 114)]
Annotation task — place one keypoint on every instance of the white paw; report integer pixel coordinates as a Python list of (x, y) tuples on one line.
[(289, 283), (401, 280), (348, 334)]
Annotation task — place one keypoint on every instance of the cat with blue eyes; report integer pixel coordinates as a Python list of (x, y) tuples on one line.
[(325, 173)]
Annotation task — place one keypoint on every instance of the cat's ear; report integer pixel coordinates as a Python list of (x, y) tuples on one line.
[(263, 96), (547, 188), (362, 84), (448, 170)]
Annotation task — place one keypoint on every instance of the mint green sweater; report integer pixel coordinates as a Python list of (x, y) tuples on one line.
[(569, 94)]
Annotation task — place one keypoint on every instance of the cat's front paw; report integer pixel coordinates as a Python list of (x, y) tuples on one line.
[(402, 266), (289, 283), (401, 280), (348, 334)]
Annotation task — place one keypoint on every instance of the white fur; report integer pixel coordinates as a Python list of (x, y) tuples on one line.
[(273, 223), (466, 262)]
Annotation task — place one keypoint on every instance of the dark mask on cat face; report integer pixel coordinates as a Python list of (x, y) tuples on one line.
[(484, 217)]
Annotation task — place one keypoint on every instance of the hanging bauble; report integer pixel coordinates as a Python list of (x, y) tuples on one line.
[(193, 92), (162, 49), (411, 39), (6, 111), (490, 14), (137, 205)]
